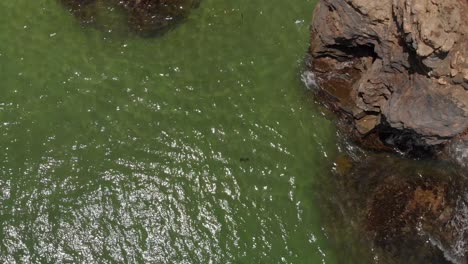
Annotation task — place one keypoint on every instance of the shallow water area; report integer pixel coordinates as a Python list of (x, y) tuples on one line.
[(195, 147)]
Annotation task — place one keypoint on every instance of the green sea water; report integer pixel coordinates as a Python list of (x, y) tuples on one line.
[(200, 146)]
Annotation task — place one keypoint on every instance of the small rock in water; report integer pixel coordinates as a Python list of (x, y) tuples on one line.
[(145, 17), (155, 16)]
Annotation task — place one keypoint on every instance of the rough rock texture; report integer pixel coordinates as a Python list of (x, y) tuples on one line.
[(407, 205), (146, 17), (397, 70)]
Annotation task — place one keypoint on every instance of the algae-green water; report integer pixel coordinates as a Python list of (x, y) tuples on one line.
[(199, 146)]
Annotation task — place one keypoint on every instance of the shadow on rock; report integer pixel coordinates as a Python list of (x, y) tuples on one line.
[(145, 17)]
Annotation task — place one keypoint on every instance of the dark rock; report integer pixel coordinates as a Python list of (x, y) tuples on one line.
[(146, 17), (150, 16), (416, 211), (393, 67)]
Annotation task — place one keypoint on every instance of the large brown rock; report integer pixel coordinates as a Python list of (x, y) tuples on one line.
[(397, 69), (146, 17), (416, 211)]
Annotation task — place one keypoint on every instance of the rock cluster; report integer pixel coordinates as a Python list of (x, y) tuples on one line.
[(396, 74), (396, 70), (146, 17)]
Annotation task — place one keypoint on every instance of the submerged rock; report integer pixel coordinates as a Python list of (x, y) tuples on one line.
[(416, 211), (146, 17), (82, 9), (396, 70), (155, 16)]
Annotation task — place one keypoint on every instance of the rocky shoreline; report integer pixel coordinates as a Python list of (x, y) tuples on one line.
[(395, 73)]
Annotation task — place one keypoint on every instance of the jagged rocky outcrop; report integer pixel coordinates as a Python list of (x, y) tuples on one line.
[(396, 74), (146, 17), (396, 71)]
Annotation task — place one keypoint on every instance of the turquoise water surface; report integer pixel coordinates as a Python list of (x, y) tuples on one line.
[(200, 146)]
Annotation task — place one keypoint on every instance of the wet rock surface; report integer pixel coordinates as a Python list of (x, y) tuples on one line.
[(457, 151), (395, 70), (414, 212), (145, 17), (409, 206)]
